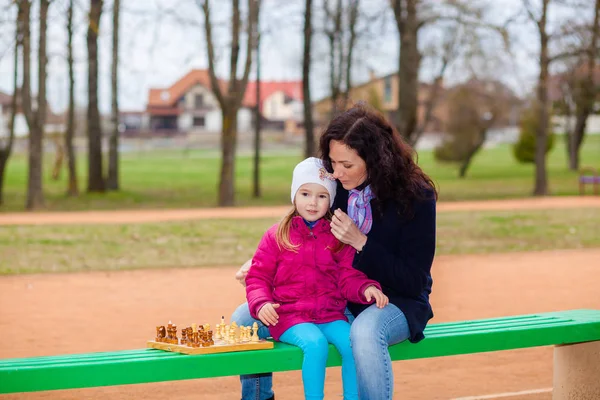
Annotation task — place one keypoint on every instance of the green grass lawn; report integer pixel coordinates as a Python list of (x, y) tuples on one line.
[(174, 179), (64, 248)]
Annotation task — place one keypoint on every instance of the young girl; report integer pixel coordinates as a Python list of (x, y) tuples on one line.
[(301, 277)]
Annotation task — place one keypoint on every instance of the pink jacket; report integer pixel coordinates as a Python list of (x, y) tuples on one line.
[(311, 285)]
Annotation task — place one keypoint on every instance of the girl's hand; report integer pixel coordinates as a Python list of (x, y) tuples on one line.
[(268, 315), (346, 231), (380, 299)]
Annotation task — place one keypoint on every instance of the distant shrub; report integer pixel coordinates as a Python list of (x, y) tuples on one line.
[(524, 148)]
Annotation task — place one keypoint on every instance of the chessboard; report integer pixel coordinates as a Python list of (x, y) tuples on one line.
[(199, 339), (219, 347)]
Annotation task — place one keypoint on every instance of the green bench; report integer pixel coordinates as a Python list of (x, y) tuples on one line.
[(149, 365)]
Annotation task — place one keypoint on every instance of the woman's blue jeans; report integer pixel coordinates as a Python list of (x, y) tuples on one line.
[(371, 333)]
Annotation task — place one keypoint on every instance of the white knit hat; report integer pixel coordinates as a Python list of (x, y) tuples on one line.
[(312, 170)]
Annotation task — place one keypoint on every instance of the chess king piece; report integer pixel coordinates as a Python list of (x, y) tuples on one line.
[(255, 332), (160, 333)]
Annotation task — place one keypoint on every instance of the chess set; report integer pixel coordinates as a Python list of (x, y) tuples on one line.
[(199, 339)]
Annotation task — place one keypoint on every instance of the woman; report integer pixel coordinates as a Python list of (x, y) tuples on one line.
[(385, 209)]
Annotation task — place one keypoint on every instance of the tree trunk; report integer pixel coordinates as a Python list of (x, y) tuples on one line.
[(112, 183), (585, 104), (72, 188), (36, 120), (408, 71), (256, 166), (58, 158), (95, 175), (462, 172), (309, 146), (6, 150), (541, 179), (228, 145), (351, 41)]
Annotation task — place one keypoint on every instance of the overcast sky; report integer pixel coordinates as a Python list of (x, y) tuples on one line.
[(161, 40)]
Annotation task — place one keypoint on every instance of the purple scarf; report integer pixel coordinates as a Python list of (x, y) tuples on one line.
[(359, 208)]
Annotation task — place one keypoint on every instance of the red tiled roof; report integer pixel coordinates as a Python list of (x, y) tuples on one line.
[(168, 97), (292, 89)]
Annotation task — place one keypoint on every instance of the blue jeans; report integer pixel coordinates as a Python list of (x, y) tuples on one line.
[(255, 386), (314, 341), (371, 333)]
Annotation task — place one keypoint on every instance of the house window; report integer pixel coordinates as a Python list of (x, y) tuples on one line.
[(198, 121), (387, 92), (199, 101)]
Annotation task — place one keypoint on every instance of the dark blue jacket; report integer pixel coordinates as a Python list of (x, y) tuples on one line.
[(398, 254)]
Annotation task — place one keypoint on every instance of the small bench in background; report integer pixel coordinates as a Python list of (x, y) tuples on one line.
[(589, 176)]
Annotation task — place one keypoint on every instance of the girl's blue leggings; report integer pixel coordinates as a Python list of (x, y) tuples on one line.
[(314, 341)]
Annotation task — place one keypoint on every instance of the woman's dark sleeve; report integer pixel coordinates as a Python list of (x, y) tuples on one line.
[(406, 267)]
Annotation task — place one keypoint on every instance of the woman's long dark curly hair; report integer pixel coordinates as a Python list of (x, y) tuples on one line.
[(391, 169)]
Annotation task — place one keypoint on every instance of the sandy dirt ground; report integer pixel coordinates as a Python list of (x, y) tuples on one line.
[(103, 311), (139, 216)]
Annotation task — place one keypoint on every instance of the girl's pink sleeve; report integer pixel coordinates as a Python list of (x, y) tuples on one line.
[(352, 281), (259, 281)]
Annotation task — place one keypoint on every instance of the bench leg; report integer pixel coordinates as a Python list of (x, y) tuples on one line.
[(577, 371)]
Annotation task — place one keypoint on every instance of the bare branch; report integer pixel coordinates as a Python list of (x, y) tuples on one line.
[(211, 53)]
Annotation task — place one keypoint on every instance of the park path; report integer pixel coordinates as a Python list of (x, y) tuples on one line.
[(115, 310), (141, 216)]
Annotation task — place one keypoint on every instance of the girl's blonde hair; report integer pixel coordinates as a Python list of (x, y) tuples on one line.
[(282, 236)]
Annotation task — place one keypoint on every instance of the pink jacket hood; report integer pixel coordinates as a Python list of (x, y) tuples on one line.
[(311, 284)]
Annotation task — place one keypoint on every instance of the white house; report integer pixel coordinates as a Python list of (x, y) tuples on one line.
[(190, 106)]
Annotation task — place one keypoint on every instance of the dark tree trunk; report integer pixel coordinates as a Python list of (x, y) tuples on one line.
[(228, 147), (309, 146), (6, 149), (464, 166), (256, 166), (35, 118), (585, 102), (72, 188), (112, 182), (408, 68), (95, 174), (541, 178), (351, 42)]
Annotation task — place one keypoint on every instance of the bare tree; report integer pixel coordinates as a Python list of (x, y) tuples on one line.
[(309, 146), (257, 117), (112, 182), (408, 24), (36, 117), (340, 30), (411, 16), (6, 149), (95, 175), (72, 186), (543, 114), (586, 93), (473, 108), (231, 99)]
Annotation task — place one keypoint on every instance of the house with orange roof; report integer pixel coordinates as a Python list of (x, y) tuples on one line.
[(189, 106)]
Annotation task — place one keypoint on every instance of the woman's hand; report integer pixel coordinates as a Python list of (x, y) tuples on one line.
[(243, 272), (346, 231), (268, 315), (380, 299)]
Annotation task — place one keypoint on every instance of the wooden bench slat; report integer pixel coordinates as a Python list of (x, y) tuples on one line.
[(149, 365)]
